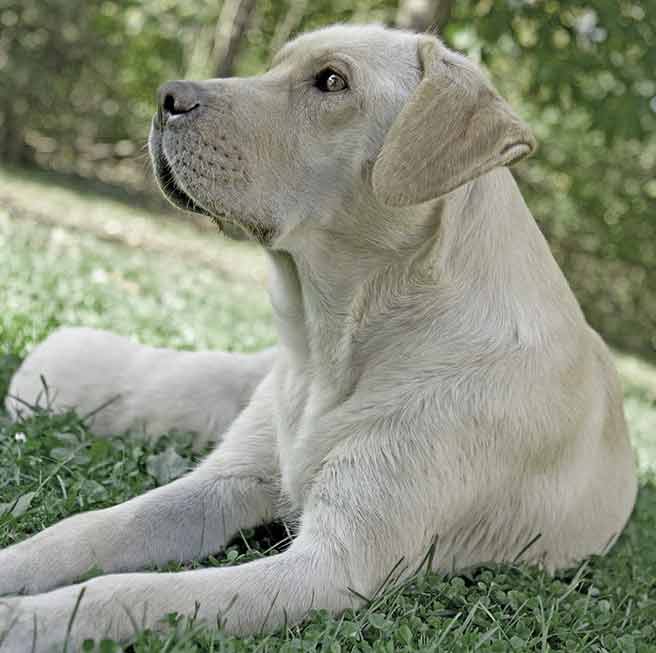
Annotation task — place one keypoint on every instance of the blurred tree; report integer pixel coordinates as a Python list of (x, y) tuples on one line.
[(77, 81), (233, 22), (289, 24), (423, 15)]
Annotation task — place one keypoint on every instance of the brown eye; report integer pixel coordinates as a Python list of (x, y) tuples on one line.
[(329, 81)]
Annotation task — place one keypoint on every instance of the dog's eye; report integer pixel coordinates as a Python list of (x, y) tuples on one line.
[(329, 81)]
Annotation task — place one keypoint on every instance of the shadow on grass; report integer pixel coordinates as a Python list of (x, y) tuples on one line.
[(149, 198)]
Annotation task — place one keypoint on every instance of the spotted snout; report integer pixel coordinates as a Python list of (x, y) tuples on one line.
[(195, 146)]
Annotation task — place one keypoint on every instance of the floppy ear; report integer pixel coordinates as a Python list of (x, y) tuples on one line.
[(455, 127)]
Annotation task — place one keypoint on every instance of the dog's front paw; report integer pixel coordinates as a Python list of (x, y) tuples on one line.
[(24, 570), (14, 573), (17, 629), (64, 618), (40, 564), (38, 623)]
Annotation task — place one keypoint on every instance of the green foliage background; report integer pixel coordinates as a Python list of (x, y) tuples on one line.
[(77, 81)]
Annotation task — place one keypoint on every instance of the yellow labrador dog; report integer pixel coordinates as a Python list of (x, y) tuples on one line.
[(435, 377)]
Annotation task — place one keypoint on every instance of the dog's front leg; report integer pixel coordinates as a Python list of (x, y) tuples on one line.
[(364, 513), (235, 487), (245, 599)]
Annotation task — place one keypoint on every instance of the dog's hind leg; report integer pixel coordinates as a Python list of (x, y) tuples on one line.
[(123, 386)]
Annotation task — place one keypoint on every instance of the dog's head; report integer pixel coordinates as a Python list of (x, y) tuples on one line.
[(345, 115)]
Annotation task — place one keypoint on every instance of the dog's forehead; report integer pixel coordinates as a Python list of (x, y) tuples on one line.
[(371, 44)]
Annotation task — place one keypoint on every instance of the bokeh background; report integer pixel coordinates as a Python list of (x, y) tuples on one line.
[(78, 78)]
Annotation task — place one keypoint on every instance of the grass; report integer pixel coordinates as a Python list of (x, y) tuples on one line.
[(160, 293)]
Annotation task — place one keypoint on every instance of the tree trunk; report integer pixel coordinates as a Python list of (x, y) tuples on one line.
[(232, 24), (288, 25), (423, 15)]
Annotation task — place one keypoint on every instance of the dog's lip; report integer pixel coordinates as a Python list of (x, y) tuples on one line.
[(172, 188)]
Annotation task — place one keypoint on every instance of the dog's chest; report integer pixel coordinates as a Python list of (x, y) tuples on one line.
[(300, 406)]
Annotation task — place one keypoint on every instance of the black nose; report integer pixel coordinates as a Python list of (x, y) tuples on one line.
[(175, 98)]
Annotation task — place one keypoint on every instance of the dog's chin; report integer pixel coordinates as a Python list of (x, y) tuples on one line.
[(180, 198), (177, 195), (171, 189)]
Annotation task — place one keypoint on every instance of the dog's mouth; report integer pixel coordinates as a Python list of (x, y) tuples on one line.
[(175, 193), (171, 188)]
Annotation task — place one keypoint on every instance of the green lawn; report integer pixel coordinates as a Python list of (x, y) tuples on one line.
[(69, 258)]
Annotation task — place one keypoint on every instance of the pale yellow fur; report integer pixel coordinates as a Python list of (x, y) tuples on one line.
[(435, 376)]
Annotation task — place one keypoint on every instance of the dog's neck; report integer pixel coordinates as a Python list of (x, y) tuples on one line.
[(480, 239)]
